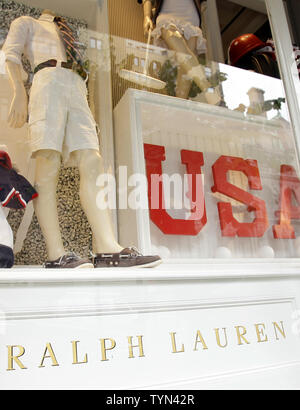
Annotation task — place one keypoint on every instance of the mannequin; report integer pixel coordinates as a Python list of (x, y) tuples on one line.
[(175, 38), (61, 125)]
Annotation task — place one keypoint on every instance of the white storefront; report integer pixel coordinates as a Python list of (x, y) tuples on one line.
[(223, 310)]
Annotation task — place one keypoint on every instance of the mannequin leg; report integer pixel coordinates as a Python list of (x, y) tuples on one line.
[(183, 82), (90, 166), (46, 177), (185, 57)]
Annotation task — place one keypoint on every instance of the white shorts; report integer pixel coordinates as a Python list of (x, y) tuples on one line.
[(59, 115), (6, 235)]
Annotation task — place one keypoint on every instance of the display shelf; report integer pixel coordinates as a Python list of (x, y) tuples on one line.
[(202, 269)]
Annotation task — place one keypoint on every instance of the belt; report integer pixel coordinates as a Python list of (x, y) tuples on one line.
[(69, 65)]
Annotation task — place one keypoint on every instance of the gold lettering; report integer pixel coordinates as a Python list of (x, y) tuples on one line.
[(260, 333), (50, 356), (104, 348), (174, 344), (241, 335), (12, 358), (199, 339), (75, 354), (281, 330), (217, 331), (131, 346)]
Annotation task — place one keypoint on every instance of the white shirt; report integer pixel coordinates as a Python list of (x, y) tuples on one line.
[(179, 10), (38, 39)]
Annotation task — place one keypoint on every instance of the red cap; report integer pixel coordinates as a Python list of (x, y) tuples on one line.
[(243, 45)]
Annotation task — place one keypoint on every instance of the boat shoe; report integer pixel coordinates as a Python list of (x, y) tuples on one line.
[(128, 257), (69, 261)]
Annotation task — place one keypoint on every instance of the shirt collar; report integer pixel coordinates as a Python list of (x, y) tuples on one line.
[(47, 17)]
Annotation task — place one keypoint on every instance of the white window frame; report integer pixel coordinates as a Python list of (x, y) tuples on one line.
[(286, 61)]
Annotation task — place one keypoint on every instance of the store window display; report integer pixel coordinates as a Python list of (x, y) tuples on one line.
[(251, 122), (176, 26), (61, 125)]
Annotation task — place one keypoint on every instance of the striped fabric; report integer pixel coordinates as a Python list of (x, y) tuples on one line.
[(68, 37)]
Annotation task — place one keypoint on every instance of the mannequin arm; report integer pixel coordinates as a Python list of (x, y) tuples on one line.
[(148, 23), (19, 106)]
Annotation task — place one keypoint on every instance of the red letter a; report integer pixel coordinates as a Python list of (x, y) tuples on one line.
[(289, 184)]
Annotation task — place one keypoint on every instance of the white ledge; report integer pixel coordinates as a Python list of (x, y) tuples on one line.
[(186, 270)]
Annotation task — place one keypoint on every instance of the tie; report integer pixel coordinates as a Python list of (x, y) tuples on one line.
[(69, 41)]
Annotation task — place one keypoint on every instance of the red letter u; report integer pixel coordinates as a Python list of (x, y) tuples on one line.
[(154, 155)]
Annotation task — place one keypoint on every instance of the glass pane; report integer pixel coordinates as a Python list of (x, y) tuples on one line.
[(198, 164), (230, 114), (202, 110), (63, 113)]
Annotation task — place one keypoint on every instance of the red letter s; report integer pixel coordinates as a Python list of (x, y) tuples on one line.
[(229, 225)]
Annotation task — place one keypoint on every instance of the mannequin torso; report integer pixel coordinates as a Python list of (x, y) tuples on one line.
[(38, 39), (179, 10), (158, 5)]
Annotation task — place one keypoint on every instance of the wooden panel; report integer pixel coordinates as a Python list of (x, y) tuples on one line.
[(126, 19)]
